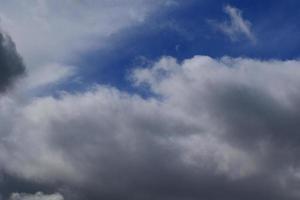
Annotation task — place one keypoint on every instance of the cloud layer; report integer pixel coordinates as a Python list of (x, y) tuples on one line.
[(215, 128)]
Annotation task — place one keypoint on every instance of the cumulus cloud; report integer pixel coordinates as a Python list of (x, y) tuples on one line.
[(36, 196), (11, 64), (236, 26), (216, 128)]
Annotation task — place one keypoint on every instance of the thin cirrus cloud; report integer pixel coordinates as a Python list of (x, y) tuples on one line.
[(236, 27)]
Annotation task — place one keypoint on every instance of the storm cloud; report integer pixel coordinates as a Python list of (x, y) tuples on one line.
[(214, 128), (11, 64)]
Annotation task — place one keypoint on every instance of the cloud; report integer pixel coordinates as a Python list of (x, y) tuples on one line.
[(216, 128), (236, 27), (11, 64), (50, 74), (36, 196), (57, 31)]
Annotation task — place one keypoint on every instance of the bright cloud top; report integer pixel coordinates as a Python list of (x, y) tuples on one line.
[(37, 196)]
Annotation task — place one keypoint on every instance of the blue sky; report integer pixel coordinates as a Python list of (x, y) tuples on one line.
[(182, 30)]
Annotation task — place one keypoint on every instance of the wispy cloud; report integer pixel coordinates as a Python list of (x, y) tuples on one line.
[(236, 26)]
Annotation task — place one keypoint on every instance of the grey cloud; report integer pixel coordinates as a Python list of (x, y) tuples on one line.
[(11, 64), (221, 129)]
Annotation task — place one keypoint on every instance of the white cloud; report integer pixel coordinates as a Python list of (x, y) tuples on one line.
[(202, 122), (52, 33), (47, 75), (36, 196), (237, 26)]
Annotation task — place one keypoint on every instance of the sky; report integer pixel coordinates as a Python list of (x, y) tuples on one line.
[(149, 99)]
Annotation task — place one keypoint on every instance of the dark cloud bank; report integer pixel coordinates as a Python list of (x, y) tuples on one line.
[(221, 129), (11, 64)]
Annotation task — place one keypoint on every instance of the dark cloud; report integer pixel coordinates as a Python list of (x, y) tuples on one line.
[(12, 183), (11, 64)]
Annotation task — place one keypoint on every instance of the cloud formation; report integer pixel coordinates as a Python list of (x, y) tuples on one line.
[(52, 34), (236, 26), (216, 128), (56, 31), (36, 196), (11, 64)]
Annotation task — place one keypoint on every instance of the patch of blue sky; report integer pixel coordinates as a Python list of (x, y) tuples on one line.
[(183, 31)]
